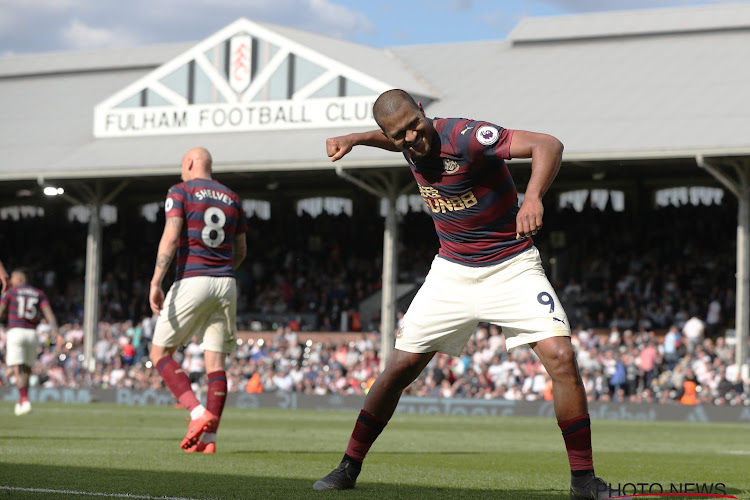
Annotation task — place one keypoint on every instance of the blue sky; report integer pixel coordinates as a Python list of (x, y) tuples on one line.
[(29, 26)]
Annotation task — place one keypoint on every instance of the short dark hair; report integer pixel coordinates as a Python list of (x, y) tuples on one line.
[(389, 102)]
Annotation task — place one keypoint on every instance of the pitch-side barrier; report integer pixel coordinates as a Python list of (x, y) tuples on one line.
[(416, 405)]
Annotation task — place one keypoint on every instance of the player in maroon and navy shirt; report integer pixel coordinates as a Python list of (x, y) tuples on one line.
[(487, 269), (25, 306), (205, 229)]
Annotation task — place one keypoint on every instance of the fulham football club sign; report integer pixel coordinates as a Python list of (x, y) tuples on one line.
[(246, 77)]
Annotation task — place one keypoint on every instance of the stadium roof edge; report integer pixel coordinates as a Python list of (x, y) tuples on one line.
[(626, 98), (394, 161), (83, 61), (632, 23)]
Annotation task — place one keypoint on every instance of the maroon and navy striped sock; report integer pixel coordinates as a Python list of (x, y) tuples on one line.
[(178, 382), (366, 431), (216, 395), (577, 435)]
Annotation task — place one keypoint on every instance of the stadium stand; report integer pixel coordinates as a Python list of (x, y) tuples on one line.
[(632, 297)]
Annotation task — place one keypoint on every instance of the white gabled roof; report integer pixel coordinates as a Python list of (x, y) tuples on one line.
[(249, 72), (283, 46), (639, 84), (381, 63)]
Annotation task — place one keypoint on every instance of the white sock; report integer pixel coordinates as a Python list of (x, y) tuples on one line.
[(208, 437), (197, 412)]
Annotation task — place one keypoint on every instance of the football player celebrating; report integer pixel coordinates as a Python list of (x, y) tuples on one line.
[(487, 269)]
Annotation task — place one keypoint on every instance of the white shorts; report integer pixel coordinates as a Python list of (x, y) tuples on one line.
[(22, 347), (515, 295), (205, 306)]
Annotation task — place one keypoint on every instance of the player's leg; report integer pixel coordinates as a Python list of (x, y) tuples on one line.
[(22, 374), (216, 397), (559, 359), (185, 305), (571, 409), (175, 378), (25, 350), (173, 375), (401, 369), (178, 382), (519, 289), (441, 318), (569, 398), (16, 355), (219, 340)]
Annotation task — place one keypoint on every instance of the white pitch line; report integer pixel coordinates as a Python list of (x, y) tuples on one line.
[(98, 494)]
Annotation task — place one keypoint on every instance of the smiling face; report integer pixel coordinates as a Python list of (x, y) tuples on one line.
[(409, 129)]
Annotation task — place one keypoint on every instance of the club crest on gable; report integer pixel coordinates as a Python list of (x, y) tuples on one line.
[(239, 62)]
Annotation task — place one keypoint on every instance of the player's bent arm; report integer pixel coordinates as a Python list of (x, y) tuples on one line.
[(2, 309), (545, 152), (50, 316), (239, 249), (167, 249), (337, 147)]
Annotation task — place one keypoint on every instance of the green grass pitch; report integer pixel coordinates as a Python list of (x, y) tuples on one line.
[(60, 452)]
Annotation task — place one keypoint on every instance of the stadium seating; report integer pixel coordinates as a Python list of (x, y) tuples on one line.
[(622, 294)]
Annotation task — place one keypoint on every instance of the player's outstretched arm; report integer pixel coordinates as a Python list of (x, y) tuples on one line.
[(337, 147), (545, 152), (164, 255)]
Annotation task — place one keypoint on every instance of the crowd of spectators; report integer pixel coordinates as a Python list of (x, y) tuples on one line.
[(649, 269), (623, 366), (640, 276)]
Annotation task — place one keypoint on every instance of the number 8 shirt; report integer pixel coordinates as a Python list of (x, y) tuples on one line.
[(205, 304), (212, 215)]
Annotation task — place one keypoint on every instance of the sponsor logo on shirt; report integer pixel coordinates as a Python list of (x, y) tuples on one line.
[(442, 204)]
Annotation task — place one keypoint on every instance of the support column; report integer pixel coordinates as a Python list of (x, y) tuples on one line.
[(93, 281), (385, 187), (742, 314), (739, 185), (390, 272)]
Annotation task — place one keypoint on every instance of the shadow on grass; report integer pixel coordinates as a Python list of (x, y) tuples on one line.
[(129, 439), (318, 452), (67, 483)]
